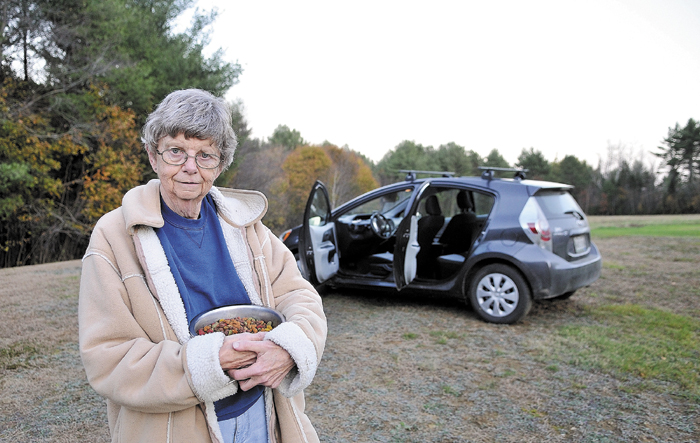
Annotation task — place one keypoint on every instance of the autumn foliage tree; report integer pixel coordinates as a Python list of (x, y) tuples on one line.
[(343, 171), (301, 168), (348, 176), (286, 177), (112, 166), (53, 187), (78, 78)]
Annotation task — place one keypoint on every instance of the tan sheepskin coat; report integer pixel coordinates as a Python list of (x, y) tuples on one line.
[(160, 383)]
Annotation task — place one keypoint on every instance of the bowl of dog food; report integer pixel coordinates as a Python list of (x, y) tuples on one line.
[(236, 319)]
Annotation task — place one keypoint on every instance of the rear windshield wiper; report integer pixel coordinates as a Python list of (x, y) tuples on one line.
[(576, 214)]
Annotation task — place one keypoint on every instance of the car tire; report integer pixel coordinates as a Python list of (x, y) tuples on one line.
[(498, 293)]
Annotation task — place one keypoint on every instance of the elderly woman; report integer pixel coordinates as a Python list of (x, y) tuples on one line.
[(178, 247)]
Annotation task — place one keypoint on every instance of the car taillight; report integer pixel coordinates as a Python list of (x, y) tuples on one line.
[(535, 225), (541, 228)]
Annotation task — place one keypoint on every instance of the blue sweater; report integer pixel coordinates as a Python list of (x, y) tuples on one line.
[(205, 275)]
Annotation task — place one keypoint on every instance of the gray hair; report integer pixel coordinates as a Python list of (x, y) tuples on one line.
[(195, 114)]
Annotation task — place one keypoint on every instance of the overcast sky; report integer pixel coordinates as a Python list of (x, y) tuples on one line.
[(563, 77)]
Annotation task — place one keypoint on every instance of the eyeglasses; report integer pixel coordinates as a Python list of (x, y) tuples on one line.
[(177, 157)]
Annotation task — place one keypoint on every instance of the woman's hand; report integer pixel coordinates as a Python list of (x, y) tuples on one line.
[(230, 358), (273, 363)]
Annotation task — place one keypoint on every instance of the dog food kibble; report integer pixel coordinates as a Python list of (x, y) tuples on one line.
[(238, 325)]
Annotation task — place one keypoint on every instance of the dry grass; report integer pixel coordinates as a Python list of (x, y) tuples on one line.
[(396, 368), (45, 396), (600, 221), (433, 372)]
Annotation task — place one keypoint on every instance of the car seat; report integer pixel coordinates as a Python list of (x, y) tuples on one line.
[(428, 227), (458, 235)]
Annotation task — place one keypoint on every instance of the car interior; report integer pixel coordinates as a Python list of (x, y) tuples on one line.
[(449, 220)]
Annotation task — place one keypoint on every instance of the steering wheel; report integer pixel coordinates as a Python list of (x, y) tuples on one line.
[(381, 226)]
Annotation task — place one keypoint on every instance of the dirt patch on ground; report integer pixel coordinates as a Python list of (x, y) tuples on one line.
[(396, 368)]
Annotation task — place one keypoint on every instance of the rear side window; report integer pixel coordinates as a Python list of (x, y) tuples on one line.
[(482, 204), (557, 204)]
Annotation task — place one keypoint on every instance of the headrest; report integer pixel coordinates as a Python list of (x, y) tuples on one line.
[(432, 206), (463, 201)]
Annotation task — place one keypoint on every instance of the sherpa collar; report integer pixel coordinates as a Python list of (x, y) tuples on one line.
[(141, 206)]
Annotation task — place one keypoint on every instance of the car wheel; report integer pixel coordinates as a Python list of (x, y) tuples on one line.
[(499, 294)]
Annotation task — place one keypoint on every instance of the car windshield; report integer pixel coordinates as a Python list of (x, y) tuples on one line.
[(386, 203), (556, 204)]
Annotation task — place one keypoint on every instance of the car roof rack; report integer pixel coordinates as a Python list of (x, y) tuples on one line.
[(487, 172), (411, 173)]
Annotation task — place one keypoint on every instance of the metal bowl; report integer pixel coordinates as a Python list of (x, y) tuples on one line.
[(226, 312)]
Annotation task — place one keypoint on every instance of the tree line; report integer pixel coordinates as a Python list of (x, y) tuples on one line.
[(79, 78), (623, 183)]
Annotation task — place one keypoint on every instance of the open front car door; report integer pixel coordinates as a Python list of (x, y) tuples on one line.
[(318, 251), (407, 247), (406, 250)]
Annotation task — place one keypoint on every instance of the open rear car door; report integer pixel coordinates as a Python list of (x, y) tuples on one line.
[(318, 246)]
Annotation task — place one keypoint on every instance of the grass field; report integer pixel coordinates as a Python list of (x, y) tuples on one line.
[(642, 342), (648, 226), (630, 338), (617, 362)]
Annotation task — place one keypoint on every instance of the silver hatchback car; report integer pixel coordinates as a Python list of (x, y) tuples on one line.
[(496, 243)]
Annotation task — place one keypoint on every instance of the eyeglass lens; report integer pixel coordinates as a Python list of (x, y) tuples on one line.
[(178, 156)]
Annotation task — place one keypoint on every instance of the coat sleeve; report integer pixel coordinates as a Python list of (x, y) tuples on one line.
[(126, 345), (303, 334)]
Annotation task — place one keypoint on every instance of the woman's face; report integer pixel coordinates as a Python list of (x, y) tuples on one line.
[(183, 187)]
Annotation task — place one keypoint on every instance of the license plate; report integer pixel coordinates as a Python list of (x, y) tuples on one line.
[(580, 244)]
